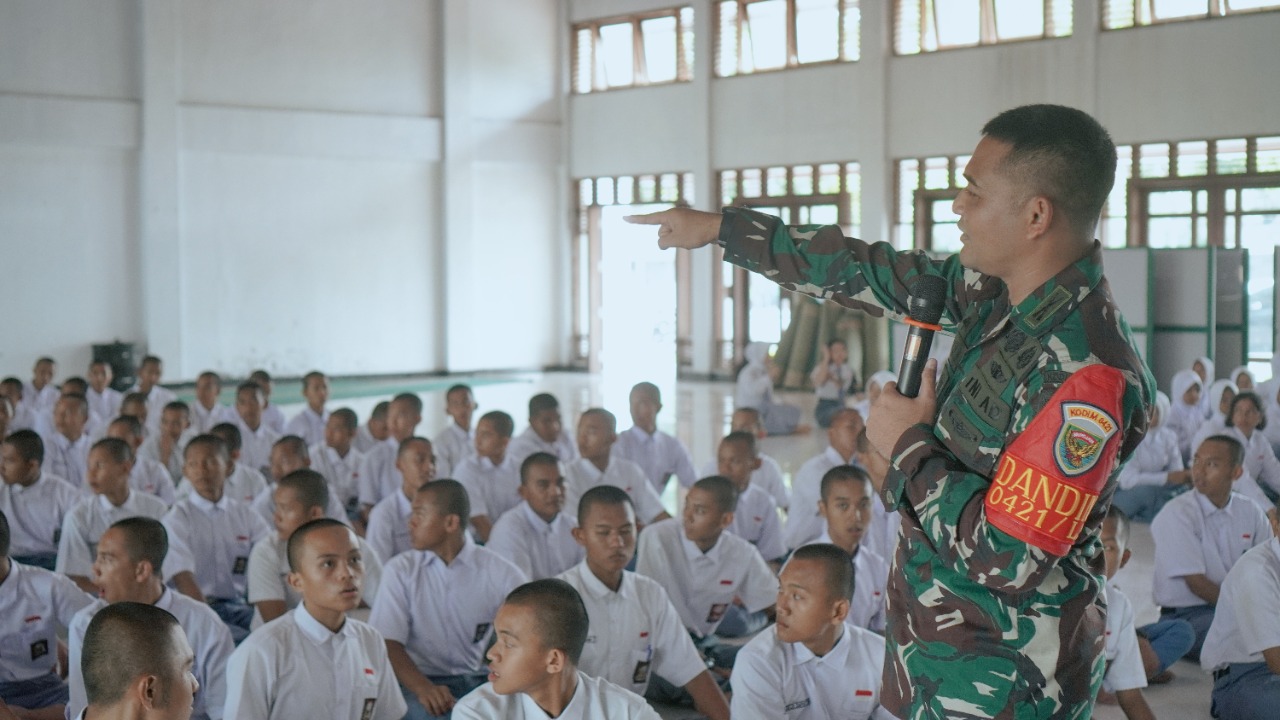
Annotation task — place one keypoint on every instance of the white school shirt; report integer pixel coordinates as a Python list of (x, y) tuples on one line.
[(1124, 660), (528, 443), (273, 418), (492, 489), (255, 446), (35, 513), (67, 459), (378, 475), (701, 585), (443, 614), (452, 445), (1248, 487), (593, 699), (767, 477), (756, 521), (1244, 623), (804, 523), (294, 667), (774, 680), (308, 425), (1215, 425), (659, 455), (343, 473), (265, 505), (1152, 461), (24, 418), (244, 484), (34, 603), (220, 537), (42, 399), (388, 529), (208, 636), (85, 523), (541, 549), (581, 475), (150, 450), (365, 440), (1193, 537), (156, 400), (202, 420), (1260, 460), (870, 577), (636, 632), (269, 572), (151, 477), (105, 403), (881, 536)]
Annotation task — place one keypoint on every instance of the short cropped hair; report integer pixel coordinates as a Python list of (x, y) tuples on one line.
[(501, 422), (145, 539), (178, 406), (609, 418), (292, 444), (78, 400), (261, 376), (230, 435), (27, 443), (456, 389), (134, 398), (837, 566), (347, 417), (450, 498), (602, 495), (843, 473), (294, 549), (649, 389), (380, 410), (4, 534), (562, 620), (250, 386), (211, 440), (150, 360), (1233, 446), (119, 450), (310, 487), (744, 439), (313, 375), (541, 403), (538, 458), (722, 490), (217, 379), (411, 400), (130, 423), (125, 640), (416, 439), (1248, 396), (46, 360), (79, 384)]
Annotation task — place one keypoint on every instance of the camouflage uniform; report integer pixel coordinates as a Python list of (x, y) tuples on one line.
[(982, 623)]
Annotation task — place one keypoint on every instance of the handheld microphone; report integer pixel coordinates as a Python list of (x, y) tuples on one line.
[(924, 309)]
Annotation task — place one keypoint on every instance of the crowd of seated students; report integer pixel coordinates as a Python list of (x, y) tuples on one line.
[(548, 556)]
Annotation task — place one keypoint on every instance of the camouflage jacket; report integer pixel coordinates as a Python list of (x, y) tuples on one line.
[(984, 623)]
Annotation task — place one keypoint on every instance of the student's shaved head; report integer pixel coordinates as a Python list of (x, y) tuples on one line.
[(561, 614), (308, 486), (836, 564), (127, 640), (230, 435), (294, 445), (722, 490), (844, 474), (299, 538), (28, 444), (347, 417), (144, 539), (117, 449), (601, 495), (449, 497)]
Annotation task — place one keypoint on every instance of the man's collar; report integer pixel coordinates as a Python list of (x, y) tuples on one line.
[(1047, 305)]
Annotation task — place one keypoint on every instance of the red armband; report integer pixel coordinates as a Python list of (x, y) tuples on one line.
[(1049, 478)]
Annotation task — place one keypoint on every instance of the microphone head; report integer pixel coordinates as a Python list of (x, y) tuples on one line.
[(928, 299)]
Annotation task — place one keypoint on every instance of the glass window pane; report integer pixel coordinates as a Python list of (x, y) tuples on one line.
[(768, 34), (604, 190), (686, 188), (906, 31), (936, 171), (823, 215), (828, 179), (669, 187), (853, 188), (1232, 156), (659, 48), (686, 38), (1169, 232), (1113, 232), (957, 22), (648, 188), (1154, 160), (1061, 17), (1253, 199), (728, 187), (616, 43), (1193, 158), (1169, 202), (727, 40), (908, 181), (1267, 155), (776, 183), (802, 179), (582, 60), (1018, 19), (961, 163), (764, 321), (817, 30), (1117, 14), (852, 21), (586, 192), (1167, 9), (1238, 5), (625, 190), (940, 211), (752, 184), (1258, 236)]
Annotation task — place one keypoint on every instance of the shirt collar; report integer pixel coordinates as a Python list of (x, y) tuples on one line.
[(1047, 305), (597, 589), (837, 656), (536, 520), (834, 456), (312, 628), (463, 558), (694, 554), (592, 472), (126, 505), (641, 434), (201, 502)]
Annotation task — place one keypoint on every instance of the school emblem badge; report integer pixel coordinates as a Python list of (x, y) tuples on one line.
[(1085, 431)]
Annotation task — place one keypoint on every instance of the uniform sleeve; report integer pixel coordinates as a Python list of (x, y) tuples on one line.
[(1177, 541), (648, 504), (506, 542), (802, 518), (179, 558), (68, 599), (466, 475), (249, 676), (760, 587), (74, 557), (677, 659), (770, 543), (391, 611), (368, 478), (1253, 607), (380, 534), (757, 687), (75, 679), (217, 648), (771, 481), (391, 703), (372, 573), (264, 582)]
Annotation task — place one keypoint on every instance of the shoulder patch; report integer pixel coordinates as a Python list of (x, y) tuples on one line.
[(1085, 432)]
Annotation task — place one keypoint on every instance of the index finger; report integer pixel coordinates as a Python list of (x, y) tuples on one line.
[(653, 218)]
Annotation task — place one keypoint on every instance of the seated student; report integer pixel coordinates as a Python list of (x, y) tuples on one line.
[(881, 536), (1220, 395), (389, 521), (811, 664), (491, 477), (1126, 673), (34, 604), (658, 454), (103, 399), (110, 461), (1155, 472), (643, 633), (541, 629), (1242, 649), (1245, 423), (375, 430), (804, 523), (1185, 417), (148, 475), (455, 442), (536, 535), (21, 417), (165, 446), (707, 572), (6, 414), (597, 431), (127, 569), (767, 477), (95, 425), (437, 603), (1200, 535), (847, 496), (256, 436), (243, 483), (1243, 378), (290, 454), (271, 414), (137, 664), (207, 411), (34, 500), (545, 432), (66, 449), (157, 397), (310, 422), (41, 393), (299, 497), (379, 476), (871, 393), (219, 531), (755, 518), (339, 462), (134, 405), (832, 378), (316, 662), (755, 390)]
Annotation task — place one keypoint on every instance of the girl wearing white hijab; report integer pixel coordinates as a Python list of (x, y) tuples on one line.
[(755, 390), (1220, 395), (1185, 417), (1203, 366), (1155, 472), (1243, 378), (875, 384)]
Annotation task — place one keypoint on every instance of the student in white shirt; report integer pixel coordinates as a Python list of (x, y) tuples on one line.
[(541, 629), (41, 393), (375, 430), (847, 496), (289, 454), (299, 497), (1242, 649), (310, 422), (455, 442), (755, 518), (35, 501), (149, 372), (1185, 417), (67, 448), (316, 662), (1218, 399), (437, 603), (21, 417), (658, 454), (137, 664), (272, 417), (804, 524), (637, 631), (6, 415), (127, 569), (103, 399), (389, 522), (134, 405), (882, 534), (811, 663), (767, 477), (339, 462), (244, 483), (1155, 472), (256, 435), (379, 476), (491, 477), (1125, 675), (207, 411), (1245, 422), (95, 425), (148, 475), (536, 535), (831, 378), (165, 446), (545, 432), (597, 432), (1200, 535), (219, 531), (34, 604)]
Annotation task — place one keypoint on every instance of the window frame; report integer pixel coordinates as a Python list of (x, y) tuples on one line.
[(639, 61), (1214, 9), (988, 32), (792, 52)]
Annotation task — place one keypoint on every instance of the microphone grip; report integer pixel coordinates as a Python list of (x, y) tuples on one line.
[(914, 356)]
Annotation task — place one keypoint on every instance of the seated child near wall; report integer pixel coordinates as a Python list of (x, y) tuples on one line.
[(256, 436), (455, 442), (756, 517), (66, 449), (172, 435), (375, 430), (339, 462), (207, 410), (310, 422), (243, 482), (847, 495), (103, 399), (389, 520), (271, 414), (289, 455), (35, 501), (1154, 473), (155, 395), (491, 477), (545, 432), (658, 454), (767, 477), (536, 535), (832, 379)]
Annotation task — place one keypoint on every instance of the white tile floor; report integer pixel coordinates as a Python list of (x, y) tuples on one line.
[(698, 415)]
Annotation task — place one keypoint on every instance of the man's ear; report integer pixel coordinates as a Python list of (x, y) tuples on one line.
[(1124, 559), (557, 661), (1039, 213), (580, 535), (147, 690), (839, 611)]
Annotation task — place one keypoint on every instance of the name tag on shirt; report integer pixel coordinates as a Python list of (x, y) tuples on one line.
[(39, 649), (367, 712), (241, 564), (481, 631), (641, 673), (799, 705)]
